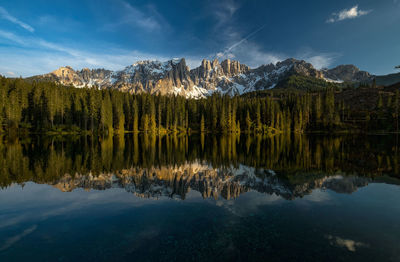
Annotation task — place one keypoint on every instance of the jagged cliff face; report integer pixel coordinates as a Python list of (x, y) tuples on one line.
[(175, 77), (229, 183), (84, 78)]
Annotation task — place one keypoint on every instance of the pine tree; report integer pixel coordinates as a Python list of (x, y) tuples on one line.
[(222, 119), (106, 114), (118, 112), (258, 119), (135, 108), (318, 109), (159, 116), (214, 115), (44, 110), (153, 124), (329, 108)]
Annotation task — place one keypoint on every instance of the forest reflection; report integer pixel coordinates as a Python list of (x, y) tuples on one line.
[(226, 165)]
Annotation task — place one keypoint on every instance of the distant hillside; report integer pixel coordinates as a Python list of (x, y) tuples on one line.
[(388, 80)]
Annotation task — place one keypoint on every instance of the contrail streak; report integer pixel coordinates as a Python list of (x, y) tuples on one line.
[(241, 41)]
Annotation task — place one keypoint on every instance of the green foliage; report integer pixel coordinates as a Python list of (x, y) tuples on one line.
[(305, 83), (44, 107)]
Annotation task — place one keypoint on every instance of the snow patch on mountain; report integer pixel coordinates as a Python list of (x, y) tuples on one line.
[(333, 81), (174, 77)]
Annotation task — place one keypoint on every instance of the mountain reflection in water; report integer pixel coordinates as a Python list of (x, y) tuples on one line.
[(216, 166)]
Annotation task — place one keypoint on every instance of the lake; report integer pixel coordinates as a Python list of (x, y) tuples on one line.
[(200, 198)]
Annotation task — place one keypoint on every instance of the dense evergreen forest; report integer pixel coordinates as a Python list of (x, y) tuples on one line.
[(38, 107)]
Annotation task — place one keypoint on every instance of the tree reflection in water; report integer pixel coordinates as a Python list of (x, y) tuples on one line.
[(217, 166)]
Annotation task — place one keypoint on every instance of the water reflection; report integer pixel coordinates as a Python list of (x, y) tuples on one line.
[(225, 166)]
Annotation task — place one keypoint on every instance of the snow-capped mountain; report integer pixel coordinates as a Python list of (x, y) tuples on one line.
[(175, 77)]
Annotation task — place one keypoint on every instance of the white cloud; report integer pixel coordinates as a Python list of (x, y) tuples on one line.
[(317, 59), (5, 15), (344, 14), (320, 61)]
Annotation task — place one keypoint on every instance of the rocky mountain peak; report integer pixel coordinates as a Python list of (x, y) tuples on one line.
[(232, 67), (63, 70), (289, 62), (215, 63), (348, 73), (175, 77), (65, 73), (300, 67)]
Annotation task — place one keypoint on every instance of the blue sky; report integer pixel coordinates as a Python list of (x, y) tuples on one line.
[(39, 36)]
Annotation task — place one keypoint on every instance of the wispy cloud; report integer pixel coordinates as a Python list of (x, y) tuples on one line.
[(252, 55), (11, 36), (224, 11), (237, 39), (5, 15), (132, 16), (58, 23), (318, 59), (321, 61), (32, 55), (345, 14)]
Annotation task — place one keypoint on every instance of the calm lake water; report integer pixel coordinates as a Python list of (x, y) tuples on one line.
[(200, 198)]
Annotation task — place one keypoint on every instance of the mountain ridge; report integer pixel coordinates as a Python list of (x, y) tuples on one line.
[(175, 77)]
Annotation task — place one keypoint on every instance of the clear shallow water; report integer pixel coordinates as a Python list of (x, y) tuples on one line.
[(85, 199)]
